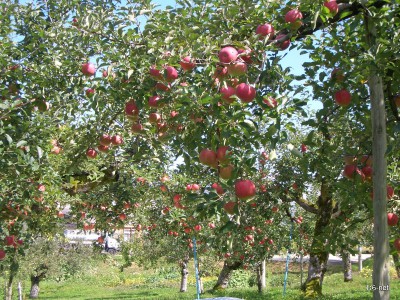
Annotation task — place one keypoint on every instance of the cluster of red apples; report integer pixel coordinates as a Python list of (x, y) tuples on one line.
[(244, 189), (10, 241), (105, 142)]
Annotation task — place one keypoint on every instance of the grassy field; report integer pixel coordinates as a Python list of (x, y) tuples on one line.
[(104, 282)]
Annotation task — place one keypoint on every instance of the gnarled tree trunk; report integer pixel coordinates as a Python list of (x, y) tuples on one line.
[(184, 273), (347, 274), (318, 254), (34, 294), (226, 273)]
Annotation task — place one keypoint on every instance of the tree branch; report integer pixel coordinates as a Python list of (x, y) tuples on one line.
[(306, 206)]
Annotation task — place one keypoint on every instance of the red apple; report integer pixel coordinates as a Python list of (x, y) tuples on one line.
[(222, 153), (187, 230), (229, 207), (41, 188), (303, 148), (154, 72), (275, 209), (56, 150), (227, 93), (396, 244), (153, 101), (91, 153), (393, 219), (10, 240), (137, 128), (188, 187), (221, 72), (350, 171), (187, 64), (226, 172), (89, 92), (88, 69), (211, 225), (284, 44), (173, 114), (227, 55), (293, 16), (172, 74), (116, 140), (367, 171), (208, 157), (342, 97), (154, 118), (245, 92), (265, 29), (195, 187), (244, 54), (2, 254), (197, 227), (105, 139), (245, 189), (105, 73), (389, 192), (332, 6), (103, 148), (271, 102), (131, 110), (162, 87), (177, 198), (237, 68)]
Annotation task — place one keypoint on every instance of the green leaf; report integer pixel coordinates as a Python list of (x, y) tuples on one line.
[(40, 152), (9, 139), (130, 72), (21, 143)]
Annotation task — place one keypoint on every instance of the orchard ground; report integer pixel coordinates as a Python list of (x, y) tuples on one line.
[(104, 280)]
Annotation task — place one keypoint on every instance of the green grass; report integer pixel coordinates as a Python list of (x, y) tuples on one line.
[(106, 282)]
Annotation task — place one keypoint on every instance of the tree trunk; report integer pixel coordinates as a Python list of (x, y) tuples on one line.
[(184, 273), (225, 275), (360, 263), (34, 294), (396, 261), (301, 268), (9, 288), (261, 276), (318, 254), (380, 275), (347, 274)]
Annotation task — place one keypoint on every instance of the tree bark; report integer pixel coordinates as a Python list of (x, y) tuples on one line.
[(225, 275), (34, 294), (184, 274), (347, 272), (318, 254), (396, 261), (9, 288), (261, 284), (380, 275)]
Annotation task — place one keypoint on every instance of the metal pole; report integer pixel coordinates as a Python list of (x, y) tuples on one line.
[(196, 270), (287, 260)]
